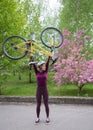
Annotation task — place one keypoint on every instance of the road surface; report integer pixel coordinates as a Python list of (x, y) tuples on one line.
[(63, 117)]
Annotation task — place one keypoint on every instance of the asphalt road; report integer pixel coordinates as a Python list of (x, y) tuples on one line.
[(63, 117)]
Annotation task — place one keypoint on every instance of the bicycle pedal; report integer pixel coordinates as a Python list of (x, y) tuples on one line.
[(54, 61)]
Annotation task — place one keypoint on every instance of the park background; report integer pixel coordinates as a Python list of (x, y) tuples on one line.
[(75, 19)]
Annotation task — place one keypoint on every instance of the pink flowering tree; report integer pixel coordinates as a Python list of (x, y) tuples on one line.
[(72, 66)]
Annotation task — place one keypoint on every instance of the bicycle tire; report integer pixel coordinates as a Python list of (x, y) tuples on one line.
[(6, 46), (56, 30)]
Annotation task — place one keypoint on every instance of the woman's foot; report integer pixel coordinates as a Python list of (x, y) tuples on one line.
[(47, 120), (37, 120)]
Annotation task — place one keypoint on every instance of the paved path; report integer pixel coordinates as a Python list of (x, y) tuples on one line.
[(63, 117)]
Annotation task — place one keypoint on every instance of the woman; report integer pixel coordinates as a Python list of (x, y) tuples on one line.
[(41, 76)]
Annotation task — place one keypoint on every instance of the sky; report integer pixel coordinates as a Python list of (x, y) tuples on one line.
[(53, 4), (50, 9)]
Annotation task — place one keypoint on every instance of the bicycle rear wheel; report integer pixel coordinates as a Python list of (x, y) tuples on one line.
[(49, 32), (14, 47)]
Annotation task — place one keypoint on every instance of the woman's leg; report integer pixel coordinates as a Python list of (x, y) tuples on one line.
[(38, 98), (45, 98)]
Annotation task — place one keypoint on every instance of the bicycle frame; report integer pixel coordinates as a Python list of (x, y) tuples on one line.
[(33, 47), (16, 47)]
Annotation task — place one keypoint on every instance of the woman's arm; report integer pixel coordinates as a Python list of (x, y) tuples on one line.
[(47, 64), (35, 68), (34, 65)]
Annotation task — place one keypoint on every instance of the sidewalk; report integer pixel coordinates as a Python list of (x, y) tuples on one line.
[(52, 100)]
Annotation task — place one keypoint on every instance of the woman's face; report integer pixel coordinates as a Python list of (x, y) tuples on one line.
[(43, 67)]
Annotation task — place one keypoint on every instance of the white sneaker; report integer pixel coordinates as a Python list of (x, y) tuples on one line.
[(32, 62), (37, 120), (47, 120)]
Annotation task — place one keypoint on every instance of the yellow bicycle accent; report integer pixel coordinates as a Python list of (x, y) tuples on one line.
[(33, 47)]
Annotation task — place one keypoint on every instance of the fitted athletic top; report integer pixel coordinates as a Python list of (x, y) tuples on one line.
[(41, 77)]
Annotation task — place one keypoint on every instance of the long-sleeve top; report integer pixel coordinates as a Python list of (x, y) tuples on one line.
[(42, 76)]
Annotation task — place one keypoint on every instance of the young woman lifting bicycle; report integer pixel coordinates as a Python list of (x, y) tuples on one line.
[(41, 71), (16, 47)]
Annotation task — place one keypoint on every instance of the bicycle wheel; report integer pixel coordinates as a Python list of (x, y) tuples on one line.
[(49, 32), (14, 47)]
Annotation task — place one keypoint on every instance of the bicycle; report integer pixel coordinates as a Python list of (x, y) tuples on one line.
[(16, 47)]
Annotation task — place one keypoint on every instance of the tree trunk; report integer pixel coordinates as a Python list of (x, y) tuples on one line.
[(14, 72), (0, 90), (19, 76), (80, 88), (30, 68), (30, 76)]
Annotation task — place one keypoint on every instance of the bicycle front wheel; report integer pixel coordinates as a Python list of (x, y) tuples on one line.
[(14, 47), (56, 35)]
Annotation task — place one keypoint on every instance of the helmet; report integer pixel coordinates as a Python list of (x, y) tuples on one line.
[(40, 63)]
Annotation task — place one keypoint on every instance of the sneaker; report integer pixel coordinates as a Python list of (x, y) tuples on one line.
[(32, 63), (37, 120), (47, 120)]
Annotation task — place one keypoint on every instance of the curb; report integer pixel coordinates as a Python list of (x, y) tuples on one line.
[(52, 100)]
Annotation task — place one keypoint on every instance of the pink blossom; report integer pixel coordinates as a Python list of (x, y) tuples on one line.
[(87, 38), (66, 33), (81, 42), (80, 33), (72, 66)]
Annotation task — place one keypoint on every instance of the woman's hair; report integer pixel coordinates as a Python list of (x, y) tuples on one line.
[(40, 67)]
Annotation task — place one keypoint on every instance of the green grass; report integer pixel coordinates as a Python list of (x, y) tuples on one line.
[(16, 87)]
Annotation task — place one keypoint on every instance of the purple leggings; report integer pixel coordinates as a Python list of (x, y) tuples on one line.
[(42, 91)]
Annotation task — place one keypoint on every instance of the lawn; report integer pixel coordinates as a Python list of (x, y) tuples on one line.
[(16, 87)]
